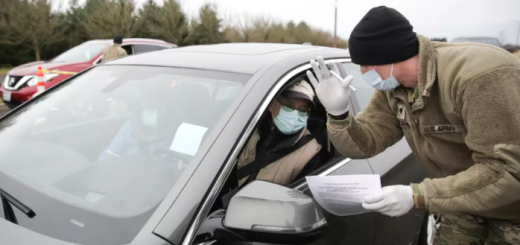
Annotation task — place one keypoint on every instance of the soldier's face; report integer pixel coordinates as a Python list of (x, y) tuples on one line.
[(383, 70)]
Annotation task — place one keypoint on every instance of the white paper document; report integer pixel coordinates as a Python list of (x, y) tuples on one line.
[(188, 139), (343, 195)]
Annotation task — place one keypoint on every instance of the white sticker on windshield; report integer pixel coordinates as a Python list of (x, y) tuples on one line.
[(94, 197), (188, 139)]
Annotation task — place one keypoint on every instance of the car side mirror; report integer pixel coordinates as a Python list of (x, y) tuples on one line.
[(270, 213)]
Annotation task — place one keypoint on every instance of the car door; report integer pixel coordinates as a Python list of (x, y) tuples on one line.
[(354, 229)]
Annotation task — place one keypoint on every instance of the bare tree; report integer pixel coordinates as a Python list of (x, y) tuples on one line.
[(105, 18), (263, 28), (31, 23), (244, 27)]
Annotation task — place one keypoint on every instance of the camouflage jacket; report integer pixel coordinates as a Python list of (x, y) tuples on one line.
[(462, 122), (113, 52)]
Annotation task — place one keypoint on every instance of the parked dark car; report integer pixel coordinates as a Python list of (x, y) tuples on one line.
[(57, 190)]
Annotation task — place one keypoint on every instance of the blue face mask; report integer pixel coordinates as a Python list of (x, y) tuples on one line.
[(149, 117), (290, 122), (374, 79)]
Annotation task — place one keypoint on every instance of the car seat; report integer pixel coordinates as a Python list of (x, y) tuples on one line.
[(192, 101)]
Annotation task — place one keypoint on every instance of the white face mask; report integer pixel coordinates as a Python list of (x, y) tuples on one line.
[(374, 79), (149, 117)]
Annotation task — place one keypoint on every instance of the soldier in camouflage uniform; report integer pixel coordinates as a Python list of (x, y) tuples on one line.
[(457, 105)]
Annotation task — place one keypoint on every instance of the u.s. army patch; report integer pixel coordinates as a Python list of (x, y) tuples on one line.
[(439, 129)]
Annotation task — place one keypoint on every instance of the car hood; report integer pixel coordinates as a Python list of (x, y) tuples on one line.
[(32, 68), (15, 234)]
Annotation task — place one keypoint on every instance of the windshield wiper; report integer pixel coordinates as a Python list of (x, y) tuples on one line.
[(7, 201)]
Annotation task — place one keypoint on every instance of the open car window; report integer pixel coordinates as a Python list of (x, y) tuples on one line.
[(105, 148), (364, 90)]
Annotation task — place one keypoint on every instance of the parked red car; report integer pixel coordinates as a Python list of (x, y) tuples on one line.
[(20, 83)]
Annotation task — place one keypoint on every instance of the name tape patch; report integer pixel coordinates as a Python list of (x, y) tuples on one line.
[(440, 129)]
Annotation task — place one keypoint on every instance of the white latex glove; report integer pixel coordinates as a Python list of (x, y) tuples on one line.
[(333, 92), (394, 200)]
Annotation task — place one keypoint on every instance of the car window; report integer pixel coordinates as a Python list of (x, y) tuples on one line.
[(129, 49), (142, 48), (364, 90), (82, 53), (96, 156), (161, 47)]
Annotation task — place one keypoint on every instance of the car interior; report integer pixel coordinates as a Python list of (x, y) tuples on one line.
[(181, 95), (83, 135), (128, 48)]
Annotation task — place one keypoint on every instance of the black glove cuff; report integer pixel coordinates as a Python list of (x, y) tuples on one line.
[(340, 117)]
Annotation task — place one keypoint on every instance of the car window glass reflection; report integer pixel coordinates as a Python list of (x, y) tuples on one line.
[(101, 147)]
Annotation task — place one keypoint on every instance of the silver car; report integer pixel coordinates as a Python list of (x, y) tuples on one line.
[(77, 169)]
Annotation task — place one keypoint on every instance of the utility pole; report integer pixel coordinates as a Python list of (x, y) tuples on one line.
[(517, 33), (335, 44)]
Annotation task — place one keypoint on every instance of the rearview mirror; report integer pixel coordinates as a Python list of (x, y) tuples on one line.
[(270, 213)]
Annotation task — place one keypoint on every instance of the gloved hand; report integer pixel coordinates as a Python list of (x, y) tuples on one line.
[(394, 200), (333, 92)]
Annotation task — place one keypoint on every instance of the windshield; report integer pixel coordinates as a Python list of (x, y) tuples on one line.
[(492, 41), (96, 156), (82, 53)]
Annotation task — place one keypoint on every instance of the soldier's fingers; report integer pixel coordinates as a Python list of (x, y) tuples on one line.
[(347, 81), (334, 67), (316, 70), (323, 67), (374, 206), (313, 80), (378, 197)]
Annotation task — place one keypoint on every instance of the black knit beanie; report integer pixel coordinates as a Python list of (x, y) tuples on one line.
[(384, 36), (118, 39)]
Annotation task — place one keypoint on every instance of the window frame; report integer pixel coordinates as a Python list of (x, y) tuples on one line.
[(229, 165)]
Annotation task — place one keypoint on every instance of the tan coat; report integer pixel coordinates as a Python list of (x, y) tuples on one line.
[(463, 123), (517, 54), (284, 170), (113, 52)]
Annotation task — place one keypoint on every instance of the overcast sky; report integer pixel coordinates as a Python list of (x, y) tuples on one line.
[(433, 18)]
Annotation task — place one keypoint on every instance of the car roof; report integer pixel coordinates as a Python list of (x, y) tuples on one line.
[(474, 38), (245, 58), (134, 41)]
